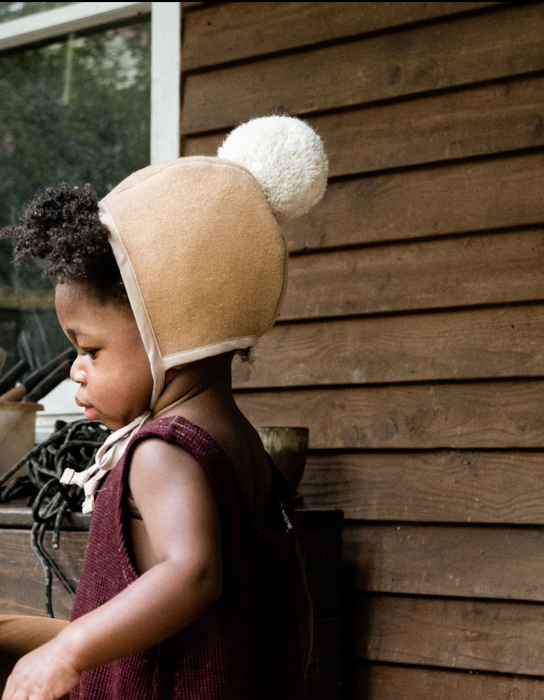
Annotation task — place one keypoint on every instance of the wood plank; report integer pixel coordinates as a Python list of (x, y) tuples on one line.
[(486, 636), (462, 51), (22, 589), (16, 514), (376, 682), (435, 201), (500, 117), (468, 344), (463, 561), (237, 30), (464, 271), (438, 486), (487, 415)]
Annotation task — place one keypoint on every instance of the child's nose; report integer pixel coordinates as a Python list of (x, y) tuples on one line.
[(77, 373)]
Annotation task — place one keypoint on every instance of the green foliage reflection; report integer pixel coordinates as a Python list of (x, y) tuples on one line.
[(77, 111), (13, 10)]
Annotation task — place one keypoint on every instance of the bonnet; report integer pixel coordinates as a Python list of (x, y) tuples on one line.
[(201, 253)]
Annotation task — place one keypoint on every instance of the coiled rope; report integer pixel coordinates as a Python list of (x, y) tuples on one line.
[(72, 445)]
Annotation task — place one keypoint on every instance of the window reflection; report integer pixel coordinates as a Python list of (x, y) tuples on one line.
[(13, 10), (79, 111)]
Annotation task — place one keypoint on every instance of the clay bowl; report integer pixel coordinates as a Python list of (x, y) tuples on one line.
[(288, 447), (17, 431)]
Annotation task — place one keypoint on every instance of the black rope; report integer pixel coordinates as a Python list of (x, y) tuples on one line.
[(72, 445)]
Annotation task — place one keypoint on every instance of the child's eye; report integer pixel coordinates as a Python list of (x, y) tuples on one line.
[(89, 353)]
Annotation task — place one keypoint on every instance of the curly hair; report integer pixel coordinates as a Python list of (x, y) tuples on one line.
[(61, 226)]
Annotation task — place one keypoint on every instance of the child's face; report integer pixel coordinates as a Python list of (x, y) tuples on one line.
[(112, 368)]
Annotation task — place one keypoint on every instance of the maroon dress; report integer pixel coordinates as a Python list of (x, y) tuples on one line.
[(247, 645)]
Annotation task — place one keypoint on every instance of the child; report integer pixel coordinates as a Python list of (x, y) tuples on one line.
[(192, 586)]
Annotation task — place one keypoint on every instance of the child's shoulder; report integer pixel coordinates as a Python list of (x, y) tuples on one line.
[(170, 450), (182, 435), (165, 475)]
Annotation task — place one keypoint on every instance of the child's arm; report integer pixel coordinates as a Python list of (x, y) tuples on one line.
[(182, 520)]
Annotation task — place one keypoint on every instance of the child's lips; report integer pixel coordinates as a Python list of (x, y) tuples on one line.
[(90, 412)]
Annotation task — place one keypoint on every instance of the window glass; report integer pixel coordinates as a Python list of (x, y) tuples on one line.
[(13, 10), (78, 111)]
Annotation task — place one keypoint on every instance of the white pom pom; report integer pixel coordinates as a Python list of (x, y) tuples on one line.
[(287, 159)]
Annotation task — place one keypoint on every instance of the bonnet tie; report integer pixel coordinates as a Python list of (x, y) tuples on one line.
[(106, 458)]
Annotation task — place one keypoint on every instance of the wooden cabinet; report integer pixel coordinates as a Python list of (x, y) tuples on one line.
[(22, 589), (320, 545)]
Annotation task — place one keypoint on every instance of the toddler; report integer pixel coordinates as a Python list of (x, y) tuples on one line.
[(192, 586)]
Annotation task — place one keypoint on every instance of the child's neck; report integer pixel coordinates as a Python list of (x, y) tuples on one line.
[(197, 386)]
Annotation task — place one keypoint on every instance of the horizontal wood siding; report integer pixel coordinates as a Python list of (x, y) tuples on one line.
[(440, 274), (389, 682), (444, 560), (438, 55), (459, 415), (235, 31), (493, 118), (499, 342), (454, 486), (455, 633), (462, 197), (411, 339)]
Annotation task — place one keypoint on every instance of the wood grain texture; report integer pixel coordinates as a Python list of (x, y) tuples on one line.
[(468, 344), (464, 271), (441, 55), (16, 514), (505, 116), (486, 636), (22, 582), (237, 30), (490, 415), (441, 486), (447, 199), (470, 561), (375, 682)]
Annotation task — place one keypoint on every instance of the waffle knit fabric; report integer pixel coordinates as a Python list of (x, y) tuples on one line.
[(247, 646)]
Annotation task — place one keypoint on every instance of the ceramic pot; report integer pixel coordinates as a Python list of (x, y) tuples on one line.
[(17, 431), (288, 447)]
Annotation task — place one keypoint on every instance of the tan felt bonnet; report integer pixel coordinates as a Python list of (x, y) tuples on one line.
[(198, 243), (201, 253)]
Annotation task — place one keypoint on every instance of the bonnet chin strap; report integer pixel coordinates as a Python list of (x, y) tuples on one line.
[(106, 458)]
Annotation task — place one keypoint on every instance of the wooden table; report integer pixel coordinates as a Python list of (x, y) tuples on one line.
[(22, 589)]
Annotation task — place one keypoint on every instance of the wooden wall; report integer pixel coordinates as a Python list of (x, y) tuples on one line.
[(411, 341)]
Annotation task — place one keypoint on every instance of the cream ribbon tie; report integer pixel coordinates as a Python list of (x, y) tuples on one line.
[(106, 458)]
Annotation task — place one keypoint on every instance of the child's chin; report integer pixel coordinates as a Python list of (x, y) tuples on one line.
[(91, 413)]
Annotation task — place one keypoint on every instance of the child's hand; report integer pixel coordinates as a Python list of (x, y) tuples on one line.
[(43, 674)]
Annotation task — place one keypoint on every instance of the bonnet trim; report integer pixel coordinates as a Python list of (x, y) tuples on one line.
[(137, 303), (186, 356)]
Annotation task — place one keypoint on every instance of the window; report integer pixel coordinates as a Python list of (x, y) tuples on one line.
[(77, 103)]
